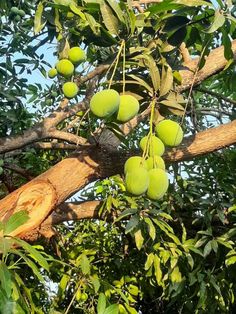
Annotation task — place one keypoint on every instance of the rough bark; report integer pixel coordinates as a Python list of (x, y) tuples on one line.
[(204, 142), (215, 62), (64, 212), (73, 173)]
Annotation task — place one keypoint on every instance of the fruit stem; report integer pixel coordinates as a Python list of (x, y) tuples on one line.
[(149, 140), (116, 63), (124, 69)]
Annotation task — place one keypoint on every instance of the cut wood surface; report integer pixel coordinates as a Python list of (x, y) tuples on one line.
[(37, 197)]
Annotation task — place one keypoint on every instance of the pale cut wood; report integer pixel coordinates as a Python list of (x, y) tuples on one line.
[(38, 198)]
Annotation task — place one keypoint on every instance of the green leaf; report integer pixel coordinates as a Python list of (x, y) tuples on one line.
[(214, 245), (116, 8), (149, 261), (38, 24), (112, 309), (5, 279), (219, 20), (133, 222), (30, 263), (63, 284), (75, 9), (151, 228), (228, 244), (163, 7), (37, 256), (5, 244), (207, 249), (166, 80), (101, 306), (132, 21), (230, 261), (158, 271), (153, 69), (84, 264), (142, 82), (177, 37), (174, 23), (190, 260), (215, 285), (172, 104), (94, 25), (228, 53), (127, 212), (232, 208), (96, 283), (193, 3), (139, 239), (165, 255), (176, 275), (109, 19), (15, 221)]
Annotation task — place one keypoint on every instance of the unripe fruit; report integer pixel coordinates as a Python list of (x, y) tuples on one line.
[(17, 18), (21, 13), (137, 181), (48, 102), (170, 132), (78, 295), (128, 108), (155, 162), (76, 55), (54, 94), (70, 15), (14, 10), (84, 297), (65, 67), (133, 163), (158, 183), (70, 89), (52, 73), (105, 103), (156, 147)]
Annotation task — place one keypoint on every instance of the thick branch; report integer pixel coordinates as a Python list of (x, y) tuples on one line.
[(65, 212), (215, 62), (44, 130), (204, 142), (88, 164)]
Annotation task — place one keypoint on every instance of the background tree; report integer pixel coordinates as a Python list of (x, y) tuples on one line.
[(104, 250)]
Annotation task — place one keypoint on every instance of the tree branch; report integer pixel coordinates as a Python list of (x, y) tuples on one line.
[(23, 172), (88, 164), (204, 142), (214, 63), (217, 95)]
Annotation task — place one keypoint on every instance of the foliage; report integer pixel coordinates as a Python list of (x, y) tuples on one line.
[(176, 255)]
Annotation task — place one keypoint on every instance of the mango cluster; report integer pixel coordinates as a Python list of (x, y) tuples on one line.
[(17, 14), (66, 68), (147, 174), (107, 102)]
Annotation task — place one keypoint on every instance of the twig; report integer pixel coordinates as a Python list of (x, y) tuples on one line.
[(217, 95)]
